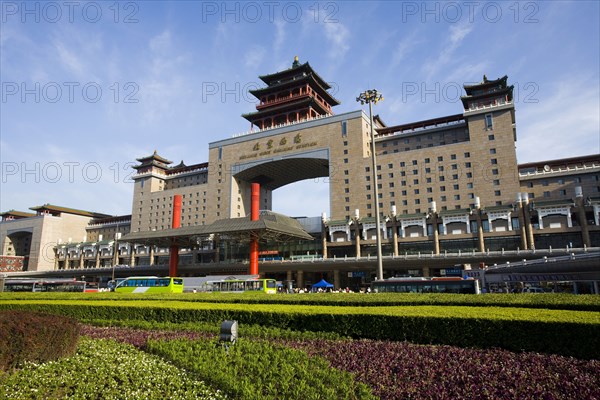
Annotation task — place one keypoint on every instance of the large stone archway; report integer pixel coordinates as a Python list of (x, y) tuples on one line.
[(18, 243), (331, 147)]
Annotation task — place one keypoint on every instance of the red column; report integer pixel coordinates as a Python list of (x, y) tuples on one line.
[(176, 223), (254, 207)]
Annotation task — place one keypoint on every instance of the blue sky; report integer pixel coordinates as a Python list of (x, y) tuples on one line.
[(88, 87)]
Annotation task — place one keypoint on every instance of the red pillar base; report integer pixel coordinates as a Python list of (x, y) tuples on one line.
[(173, 261)]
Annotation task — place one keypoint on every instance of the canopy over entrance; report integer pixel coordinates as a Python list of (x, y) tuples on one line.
[(269, 226)]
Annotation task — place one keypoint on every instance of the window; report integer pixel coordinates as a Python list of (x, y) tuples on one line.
[(467, 155), (414, 162), (497, 193), (494, 161), (344, 128), (491, 137), (456, 186), (390, 166), (453, 156), (468, 165), (440, 158), (488, 121), (546, 194), (416, 191), (427, 161), (492, 151), (470, 185), (563, 192)]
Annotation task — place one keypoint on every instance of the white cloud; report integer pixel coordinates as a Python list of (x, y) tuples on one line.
[(338, 36)]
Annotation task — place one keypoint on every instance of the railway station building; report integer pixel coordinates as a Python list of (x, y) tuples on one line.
[(447, 184)]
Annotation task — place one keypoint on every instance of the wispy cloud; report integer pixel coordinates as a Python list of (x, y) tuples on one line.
[(456, 34), (338, 36)]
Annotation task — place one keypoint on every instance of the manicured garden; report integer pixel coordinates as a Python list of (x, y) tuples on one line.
[(319, 346)]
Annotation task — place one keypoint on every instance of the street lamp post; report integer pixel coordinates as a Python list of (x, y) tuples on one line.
[(372, 96)]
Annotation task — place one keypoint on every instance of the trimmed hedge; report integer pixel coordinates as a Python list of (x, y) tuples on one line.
[(561, 332), (551, 301), (35, 337)]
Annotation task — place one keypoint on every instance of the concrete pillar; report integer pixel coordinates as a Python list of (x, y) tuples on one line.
[(324, 236), (480, 238), (97, 256), (395, 235), (336, 278), (596, 288), (585, 231), (522, 229), (300, 280), (81, 260), (55, 259), (357, 239), (132, 255), (527, 217), (151, 254), (426, 272)]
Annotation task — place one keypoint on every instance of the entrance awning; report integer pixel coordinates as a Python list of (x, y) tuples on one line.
[(269, 226)]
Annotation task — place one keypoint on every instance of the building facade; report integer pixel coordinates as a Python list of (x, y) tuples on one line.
[(446, 184)]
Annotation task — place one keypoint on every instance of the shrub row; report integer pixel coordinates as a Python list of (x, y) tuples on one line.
[(252, 370), (551, 331), (35, 337), (554, 301)]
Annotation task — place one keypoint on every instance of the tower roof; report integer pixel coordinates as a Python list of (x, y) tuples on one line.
[(487, 89), (295, 70)]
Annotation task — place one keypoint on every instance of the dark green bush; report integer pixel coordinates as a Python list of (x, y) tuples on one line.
[(35, 337)]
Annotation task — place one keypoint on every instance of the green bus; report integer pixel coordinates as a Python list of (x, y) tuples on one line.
[(249, 285), (149, 284)]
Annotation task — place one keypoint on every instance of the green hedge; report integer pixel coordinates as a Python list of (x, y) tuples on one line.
[(572, 333), (35, 337), (554, 301)]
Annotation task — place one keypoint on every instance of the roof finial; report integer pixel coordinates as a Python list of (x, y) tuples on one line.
[(296, 62), (484, 78)]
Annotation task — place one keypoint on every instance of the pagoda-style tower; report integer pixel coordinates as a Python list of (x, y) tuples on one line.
[(487, 94), (292, 95), (152, 163)]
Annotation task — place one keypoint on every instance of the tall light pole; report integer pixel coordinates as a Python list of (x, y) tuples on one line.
[(372, 96)]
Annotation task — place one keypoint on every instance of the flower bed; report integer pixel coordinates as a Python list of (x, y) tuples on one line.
[(104, 369), (400, 370)]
